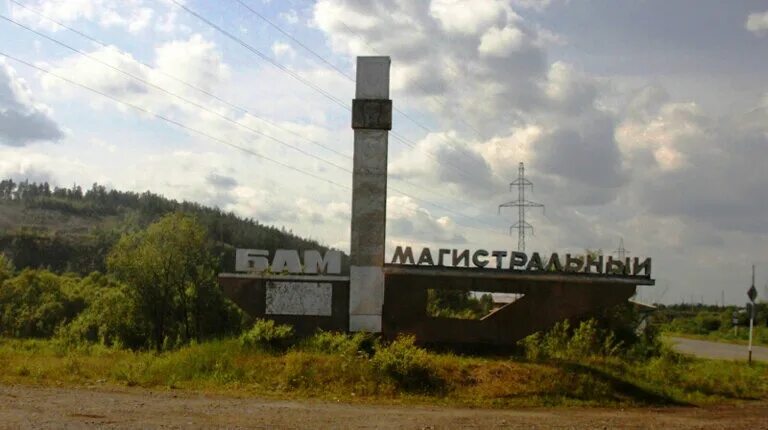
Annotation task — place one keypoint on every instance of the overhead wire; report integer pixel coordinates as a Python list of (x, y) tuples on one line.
[(395, 135), (172, 121), (208, 135), (260, 54), (181, 81), (170, 93), (295, 40), (275, 63), (197, 105), (295, 75), (421, 87), (143, 81)]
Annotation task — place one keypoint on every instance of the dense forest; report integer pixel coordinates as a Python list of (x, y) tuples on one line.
[(72, 229)]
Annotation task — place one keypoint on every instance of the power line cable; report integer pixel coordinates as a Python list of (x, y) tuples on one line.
[(184, 99), (261, 55), (343, 74), (145, 82), (294, 75), (421, 87), (209, 136), (297, 41), (291, 73), (174, 122), (139, 79), (183, 82)]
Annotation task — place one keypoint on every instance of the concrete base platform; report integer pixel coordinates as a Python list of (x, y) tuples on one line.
[(548, 298)]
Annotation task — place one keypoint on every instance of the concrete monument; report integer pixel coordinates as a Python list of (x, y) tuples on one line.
[(306, 289)]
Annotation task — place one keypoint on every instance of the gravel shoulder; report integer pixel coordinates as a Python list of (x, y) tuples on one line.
[(23, 407)]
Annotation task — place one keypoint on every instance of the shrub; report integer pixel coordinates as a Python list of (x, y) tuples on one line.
[(34, 304), (111, 319), (330, 342), (267, 335), (564, 343), (407, 365)]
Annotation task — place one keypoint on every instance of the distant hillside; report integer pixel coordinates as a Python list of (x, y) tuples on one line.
[(71, 229)]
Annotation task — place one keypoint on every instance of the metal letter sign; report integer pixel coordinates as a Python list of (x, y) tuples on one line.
[(519, 261), (288, 261)]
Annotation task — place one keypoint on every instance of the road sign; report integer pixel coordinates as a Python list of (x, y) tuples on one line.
[(752, 293)]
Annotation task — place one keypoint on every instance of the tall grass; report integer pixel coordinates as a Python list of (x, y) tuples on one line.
[(360, 368)]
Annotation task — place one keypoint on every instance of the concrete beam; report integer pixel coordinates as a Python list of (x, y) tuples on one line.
[(513, 275)]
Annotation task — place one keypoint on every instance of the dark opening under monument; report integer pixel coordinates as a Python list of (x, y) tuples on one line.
[(310, 293)]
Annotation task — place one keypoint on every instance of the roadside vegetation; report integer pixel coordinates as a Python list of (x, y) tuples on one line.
[(553, 370), (714, 323), (154, 318)]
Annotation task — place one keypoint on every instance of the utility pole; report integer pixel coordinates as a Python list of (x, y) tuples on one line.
[(752, 294), (621, 252), (521, 204)]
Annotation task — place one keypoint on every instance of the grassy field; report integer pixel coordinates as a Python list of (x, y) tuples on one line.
[(404, 375)]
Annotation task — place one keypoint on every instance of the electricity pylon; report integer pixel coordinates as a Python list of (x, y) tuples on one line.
[(621, 252), (521, 204)]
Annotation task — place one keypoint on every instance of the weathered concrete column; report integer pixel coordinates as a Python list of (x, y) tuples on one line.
[(371, 120)]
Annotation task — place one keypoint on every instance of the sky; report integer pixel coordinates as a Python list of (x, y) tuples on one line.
[(642, 121)]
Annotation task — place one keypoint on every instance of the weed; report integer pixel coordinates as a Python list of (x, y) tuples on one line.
[(407, 365), (268, 336), (330, 342)]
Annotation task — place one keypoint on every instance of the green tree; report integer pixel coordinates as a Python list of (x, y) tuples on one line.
[(171, 275), (6, 268), (111, 318), (453, 303), (35, 303)]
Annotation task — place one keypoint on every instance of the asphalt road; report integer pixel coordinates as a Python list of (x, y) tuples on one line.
[(717, 350)]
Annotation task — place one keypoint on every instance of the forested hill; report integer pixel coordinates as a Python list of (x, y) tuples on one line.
[(71, 229)]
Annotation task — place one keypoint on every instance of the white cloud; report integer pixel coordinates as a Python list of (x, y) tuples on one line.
[(281, 49), (132, 15), (444, 160), (757, 22), (291, 17), (461, 51), (22, 120), (35, 165), (569, 89), (101, 144), (537, 5), (491, 65), (469, 17), (407, 221), (196, 60), (607, 159), (498, 42)]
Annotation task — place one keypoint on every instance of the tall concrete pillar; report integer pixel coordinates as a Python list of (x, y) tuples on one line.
[(371, 120)]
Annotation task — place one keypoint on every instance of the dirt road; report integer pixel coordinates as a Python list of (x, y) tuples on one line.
[(717, 350), (68, 408)]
